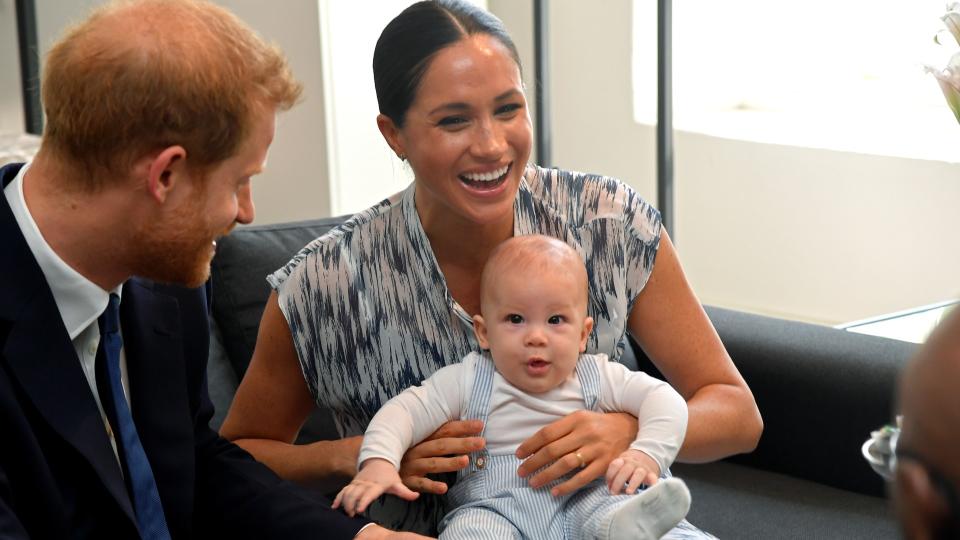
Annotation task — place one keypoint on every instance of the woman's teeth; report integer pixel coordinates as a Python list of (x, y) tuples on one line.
[(486, 177)]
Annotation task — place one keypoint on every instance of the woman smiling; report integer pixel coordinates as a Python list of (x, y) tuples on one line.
[(386, 299)]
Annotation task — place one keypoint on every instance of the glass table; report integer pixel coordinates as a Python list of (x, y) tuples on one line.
[(913, 325)]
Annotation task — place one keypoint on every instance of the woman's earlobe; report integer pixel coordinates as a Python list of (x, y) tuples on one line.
[(391, 134)]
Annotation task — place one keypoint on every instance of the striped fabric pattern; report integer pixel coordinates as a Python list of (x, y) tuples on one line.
[(370, 312), (490, 501)]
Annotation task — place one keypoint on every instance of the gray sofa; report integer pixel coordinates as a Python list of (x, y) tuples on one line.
[(820, 390)]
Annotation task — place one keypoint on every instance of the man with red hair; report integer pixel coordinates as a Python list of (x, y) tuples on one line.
[(158, 114)]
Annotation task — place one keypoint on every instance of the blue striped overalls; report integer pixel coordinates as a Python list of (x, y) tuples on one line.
[(491, 501)]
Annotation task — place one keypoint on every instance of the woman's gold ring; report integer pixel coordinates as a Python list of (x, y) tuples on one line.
[(580, 458)]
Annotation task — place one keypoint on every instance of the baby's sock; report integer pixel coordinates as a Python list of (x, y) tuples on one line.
[(652, 512)]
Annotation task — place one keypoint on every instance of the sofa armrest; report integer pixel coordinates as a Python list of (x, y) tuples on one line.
[(821, 392)]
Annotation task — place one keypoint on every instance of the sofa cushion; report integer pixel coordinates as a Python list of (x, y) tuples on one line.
[(736, 501), (821, 392)]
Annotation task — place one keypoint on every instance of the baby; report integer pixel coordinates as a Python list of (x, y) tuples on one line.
[(533, 328)]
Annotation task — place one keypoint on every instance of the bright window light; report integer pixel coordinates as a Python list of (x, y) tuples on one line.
[(820, 73)]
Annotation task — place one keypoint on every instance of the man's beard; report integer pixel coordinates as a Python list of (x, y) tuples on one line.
[(178, 250)]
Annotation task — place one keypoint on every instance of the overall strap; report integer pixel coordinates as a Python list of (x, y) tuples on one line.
[(589, 374), (478, 407)]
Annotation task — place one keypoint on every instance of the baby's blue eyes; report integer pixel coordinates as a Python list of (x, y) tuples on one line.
[(556, 319)]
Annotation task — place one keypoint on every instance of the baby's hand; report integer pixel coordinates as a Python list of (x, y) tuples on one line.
[(376, 477), (631, 469)]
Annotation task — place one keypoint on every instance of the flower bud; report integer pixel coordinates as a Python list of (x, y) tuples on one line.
[(952, 20)]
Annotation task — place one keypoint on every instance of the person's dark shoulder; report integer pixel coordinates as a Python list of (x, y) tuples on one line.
[(172, 310), (189, 298)]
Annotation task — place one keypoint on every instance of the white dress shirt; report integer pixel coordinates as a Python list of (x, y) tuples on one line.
[(79, 300)]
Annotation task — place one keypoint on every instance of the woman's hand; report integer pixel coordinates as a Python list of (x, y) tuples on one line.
[(444, 451), (582, 439), (631, 470)]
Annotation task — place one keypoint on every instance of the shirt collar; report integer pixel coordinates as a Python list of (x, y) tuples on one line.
[(79, 300)]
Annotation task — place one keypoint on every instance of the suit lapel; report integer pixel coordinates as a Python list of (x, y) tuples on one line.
[(153, 342), (41, 357)]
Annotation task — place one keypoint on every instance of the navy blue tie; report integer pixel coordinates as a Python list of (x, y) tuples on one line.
[(146, 498)]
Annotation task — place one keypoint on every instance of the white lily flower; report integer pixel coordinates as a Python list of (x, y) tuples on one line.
[(952, 20), (950, 85), (949, 77)]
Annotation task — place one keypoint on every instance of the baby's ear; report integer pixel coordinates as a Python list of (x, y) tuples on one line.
[(480, 329), (587, 328)]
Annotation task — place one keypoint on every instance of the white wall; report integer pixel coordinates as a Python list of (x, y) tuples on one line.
[(294, 186), (816, 235), (11, 105), (363, 169)]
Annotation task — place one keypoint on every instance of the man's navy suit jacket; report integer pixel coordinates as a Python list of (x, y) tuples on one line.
[(59, 477)]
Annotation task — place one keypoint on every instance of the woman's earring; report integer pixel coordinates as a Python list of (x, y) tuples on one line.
[(402, 156)]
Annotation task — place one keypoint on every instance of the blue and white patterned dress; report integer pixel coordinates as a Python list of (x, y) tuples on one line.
[(370, 312)]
